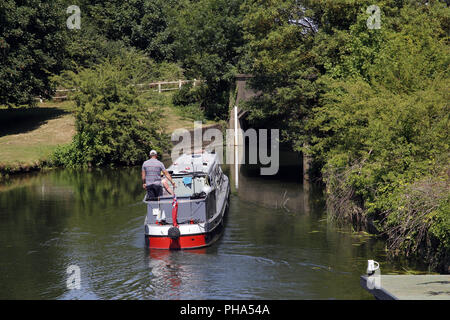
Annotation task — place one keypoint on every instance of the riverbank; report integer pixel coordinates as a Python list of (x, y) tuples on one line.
[(413, 218), (29, 136)]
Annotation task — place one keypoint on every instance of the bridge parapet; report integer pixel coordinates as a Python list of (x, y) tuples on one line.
[(244, 93)]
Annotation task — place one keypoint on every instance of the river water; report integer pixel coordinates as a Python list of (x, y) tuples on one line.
[(277, 242)]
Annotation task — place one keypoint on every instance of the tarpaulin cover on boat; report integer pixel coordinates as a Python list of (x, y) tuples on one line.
[(187, 210)]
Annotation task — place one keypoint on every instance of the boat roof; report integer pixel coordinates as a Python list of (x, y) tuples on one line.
[(202, 162)]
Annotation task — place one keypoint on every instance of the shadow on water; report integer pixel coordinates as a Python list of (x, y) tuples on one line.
[(275, 245), (22, 120)]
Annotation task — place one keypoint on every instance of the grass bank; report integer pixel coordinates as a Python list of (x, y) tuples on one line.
[(28, 136), (174, 117)]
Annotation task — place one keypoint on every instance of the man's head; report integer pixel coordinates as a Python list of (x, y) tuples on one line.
[(153, 154)]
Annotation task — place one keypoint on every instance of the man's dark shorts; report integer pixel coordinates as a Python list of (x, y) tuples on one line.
[(154, 191)]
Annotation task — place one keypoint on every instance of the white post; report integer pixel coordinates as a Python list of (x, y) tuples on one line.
[(235, 126), (195, 80), (179, 84), (159, 87), (236, 151)]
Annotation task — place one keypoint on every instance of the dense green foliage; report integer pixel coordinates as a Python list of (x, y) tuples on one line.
[(382, 128), (208, 40), (137, 23), (188, 100), (370, 106), (32, 47), (204, 37), (114, 124), (277, 53)]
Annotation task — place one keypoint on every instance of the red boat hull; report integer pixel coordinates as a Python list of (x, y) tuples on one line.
[(187, 241), (183, 242)]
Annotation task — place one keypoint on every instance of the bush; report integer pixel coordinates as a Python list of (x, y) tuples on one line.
[(188, 94), (114, 125), (210, 97), (381, 129), (418, 220), (193, 112), (188, 100)]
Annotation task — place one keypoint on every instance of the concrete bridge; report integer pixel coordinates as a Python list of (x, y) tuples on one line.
[(243, 93), (239, 94)]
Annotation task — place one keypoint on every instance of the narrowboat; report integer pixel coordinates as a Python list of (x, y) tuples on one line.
[(194, 216)]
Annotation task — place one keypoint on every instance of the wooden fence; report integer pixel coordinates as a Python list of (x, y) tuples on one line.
[(168, 85), (61, 94)]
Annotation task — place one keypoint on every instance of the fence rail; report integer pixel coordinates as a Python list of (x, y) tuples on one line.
[(160, 86)]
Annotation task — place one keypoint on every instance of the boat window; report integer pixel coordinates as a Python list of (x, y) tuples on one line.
[(212, 181), (212, 178), (186, 186), (218, 176)]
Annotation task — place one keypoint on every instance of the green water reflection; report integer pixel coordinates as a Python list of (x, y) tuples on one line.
[(277, 243)]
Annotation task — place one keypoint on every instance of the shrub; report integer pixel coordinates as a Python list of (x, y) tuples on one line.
[(114, 125), (188, 94), (418, 220)]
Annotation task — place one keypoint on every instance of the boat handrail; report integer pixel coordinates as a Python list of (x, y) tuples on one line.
[(169, 198), (187, 173)]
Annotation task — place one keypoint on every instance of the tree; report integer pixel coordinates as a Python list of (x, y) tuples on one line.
[(279, 37), (371, 104), (114, 125), (208, 39), (381, 128), (32, 47), (141, 24)]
